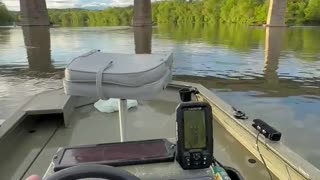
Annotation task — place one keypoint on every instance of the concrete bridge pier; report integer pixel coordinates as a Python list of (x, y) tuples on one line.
[(37, 42), (142, 26), (143, 39), (34, 13), (142, 13), (276, 13)]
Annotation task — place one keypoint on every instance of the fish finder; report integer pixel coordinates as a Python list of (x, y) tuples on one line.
[(194, 133)]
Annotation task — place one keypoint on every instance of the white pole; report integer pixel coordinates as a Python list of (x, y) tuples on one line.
[(122, 118)]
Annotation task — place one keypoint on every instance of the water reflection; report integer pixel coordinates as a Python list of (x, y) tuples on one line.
[(142, 39), (302, 42), (273, 47), (4, 35), (235, 37), (37, 43), (236, 60)]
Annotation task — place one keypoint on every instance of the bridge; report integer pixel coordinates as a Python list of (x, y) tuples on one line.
[(35, 13)]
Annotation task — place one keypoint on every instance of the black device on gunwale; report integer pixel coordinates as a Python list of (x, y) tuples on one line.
[(194, 133), (267, 130)]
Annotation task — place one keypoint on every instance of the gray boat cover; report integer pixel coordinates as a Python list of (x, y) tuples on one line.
[(111, 75)]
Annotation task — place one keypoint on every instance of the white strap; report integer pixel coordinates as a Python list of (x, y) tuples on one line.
[(99, 78)]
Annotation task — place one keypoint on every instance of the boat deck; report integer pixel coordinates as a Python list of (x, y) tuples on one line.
[(29, 147)]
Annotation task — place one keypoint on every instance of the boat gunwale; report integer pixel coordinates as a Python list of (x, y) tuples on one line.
[(282, 151)]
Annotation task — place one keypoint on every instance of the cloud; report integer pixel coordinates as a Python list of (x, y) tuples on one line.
[(121, 3), (15, 5), (59, 4), (94, 4), (62, 3), (11, 4)]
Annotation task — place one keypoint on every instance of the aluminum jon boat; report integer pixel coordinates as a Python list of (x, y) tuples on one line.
[(33, 138)]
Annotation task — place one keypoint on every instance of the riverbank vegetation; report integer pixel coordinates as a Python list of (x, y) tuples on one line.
[(250, 12), (79, 17), (6, 18)]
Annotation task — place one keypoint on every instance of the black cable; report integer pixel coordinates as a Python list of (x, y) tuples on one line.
[(196, 97), (215, 160), (83, 105), (257, 144)]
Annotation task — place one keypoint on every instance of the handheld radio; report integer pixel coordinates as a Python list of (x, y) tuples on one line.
[(194, 133)]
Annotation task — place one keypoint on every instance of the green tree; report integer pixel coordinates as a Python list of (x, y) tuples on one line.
[(261, 13), (55, 18), (5, 17), (167, 12), (295, 11), (313, 11), (227, 10), (65, 18), (211, 11)]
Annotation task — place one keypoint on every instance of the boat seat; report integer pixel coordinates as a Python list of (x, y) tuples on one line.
[(114, 75)]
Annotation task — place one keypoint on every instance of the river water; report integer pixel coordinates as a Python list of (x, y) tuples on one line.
[(271, 74)]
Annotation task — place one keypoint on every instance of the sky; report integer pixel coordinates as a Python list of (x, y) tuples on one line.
[(90, 4)]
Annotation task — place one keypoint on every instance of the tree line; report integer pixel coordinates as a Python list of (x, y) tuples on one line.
[(6, 18), (252, 12), (79, 17)]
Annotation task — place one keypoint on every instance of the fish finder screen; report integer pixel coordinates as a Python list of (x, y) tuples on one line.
[(194, 129), (112, 152)]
